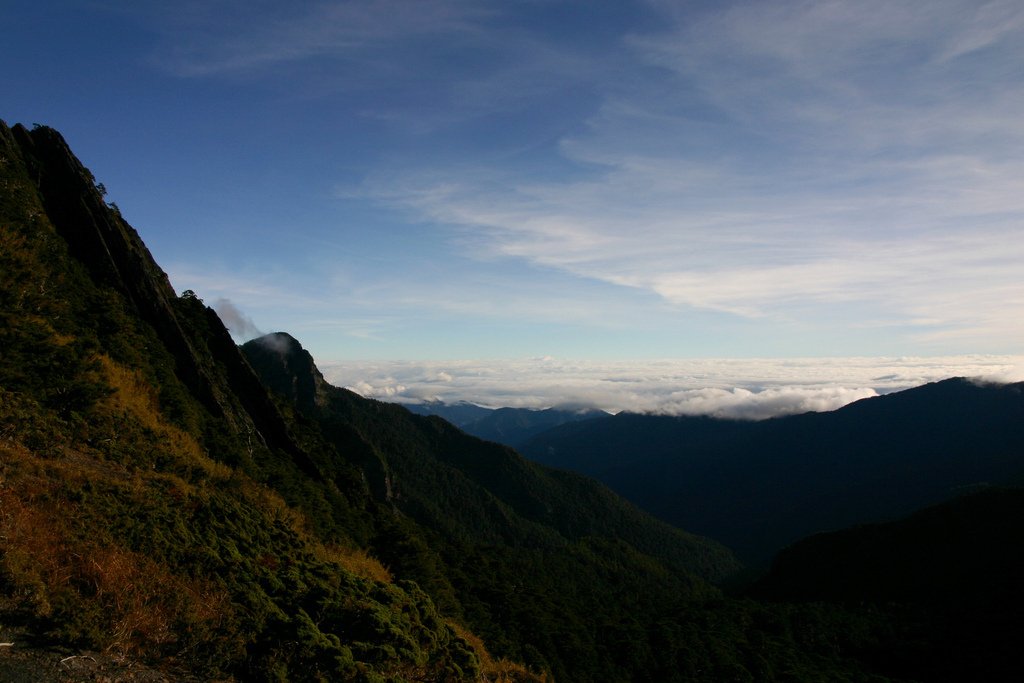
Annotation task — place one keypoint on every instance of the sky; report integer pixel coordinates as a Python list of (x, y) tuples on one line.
[(613, 182)]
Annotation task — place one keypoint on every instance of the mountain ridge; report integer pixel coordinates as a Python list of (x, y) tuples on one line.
[(873, 459)]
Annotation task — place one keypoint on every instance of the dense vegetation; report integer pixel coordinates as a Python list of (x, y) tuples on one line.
[(158, 502)]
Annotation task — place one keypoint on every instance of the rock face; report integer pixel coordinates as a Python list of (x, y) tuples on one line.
[(107, 246), (287, 369), (206, 359)]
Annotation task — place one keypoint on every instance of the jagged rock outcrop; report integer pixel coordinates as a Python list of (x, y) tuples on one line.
[(114, 254), (287, 369)]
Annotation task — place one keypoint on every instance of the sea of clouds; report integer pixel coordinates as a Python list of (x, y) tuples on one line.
[(755, 388)]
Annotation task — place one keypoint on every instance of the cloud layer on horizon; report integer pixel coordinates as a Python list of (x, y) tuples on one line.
[(746, 389)]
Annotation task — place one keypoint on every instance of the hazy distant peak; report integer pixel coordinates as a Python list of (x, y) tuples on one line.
[(282, 342), (287, 367)]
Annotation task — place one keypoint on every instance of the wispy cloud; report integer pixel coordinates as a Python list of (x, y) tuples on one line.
[(231, 37), (786, 159), (823, 164), (241, 326), (747, 389), (415, 65)]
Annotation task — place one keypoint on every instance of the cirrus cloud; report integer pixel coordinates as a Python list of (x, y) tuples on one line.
[(781, 161)]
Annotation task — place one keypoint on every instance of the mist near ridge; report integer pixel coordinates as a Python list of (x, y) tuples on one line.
[(729, 388), (240, 325)]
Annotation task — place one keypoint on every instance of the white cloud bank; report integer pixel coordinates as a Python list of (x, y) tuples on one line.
[(748, 389)]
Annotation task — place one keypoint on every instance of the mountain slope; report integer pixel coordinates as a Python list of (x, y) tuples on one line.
[(137, 446), (757, 486), (954, 567), (481, 503), (407, 444)]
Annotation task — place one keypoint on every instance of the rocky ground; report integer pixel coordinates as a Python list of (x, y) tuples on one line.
[(25, 660)]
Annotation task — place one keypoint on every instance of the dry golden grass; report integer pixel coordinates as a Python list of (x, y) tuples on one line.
[(32, 547), (134, 396), (497, 670), (355, 561), (46, 568), (146, 602)]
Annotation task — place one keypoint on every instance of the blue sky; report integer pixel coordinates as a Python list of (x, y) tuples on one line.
[(453, 179)]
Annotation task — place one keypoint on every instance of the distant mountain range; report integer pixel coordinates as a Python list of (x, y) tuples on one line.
[(509, 426), (758, 486), (459, 414)]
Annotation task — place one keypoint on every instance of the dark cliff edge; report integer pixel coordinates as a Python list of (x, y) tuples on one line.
[(115, 256)]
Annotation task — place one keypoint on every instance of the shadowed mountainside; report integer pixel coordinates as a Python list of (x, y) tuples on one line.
[(757, 486), (954, 570)]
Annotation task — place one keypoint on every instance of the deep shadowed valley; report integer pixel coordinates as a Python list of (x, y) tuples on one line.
[(758, 486)]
